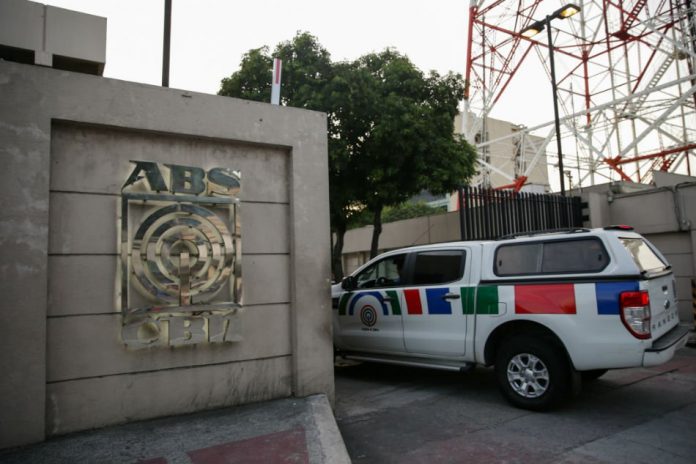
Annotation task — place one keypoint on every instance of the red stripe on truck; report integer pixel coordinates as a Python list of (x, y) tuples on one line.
[(413, 301), (545, 299)]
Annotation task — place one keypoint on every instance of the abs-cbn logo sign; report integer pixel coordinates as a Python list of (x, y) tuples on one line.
[(184, 179), (180, 247)]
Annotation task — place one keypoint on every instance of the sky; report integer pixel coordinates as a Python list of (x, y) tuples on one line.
[(209, 37)]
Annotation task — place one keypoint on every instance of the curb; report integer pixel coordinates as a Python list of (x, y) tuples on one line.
[(331, 442)]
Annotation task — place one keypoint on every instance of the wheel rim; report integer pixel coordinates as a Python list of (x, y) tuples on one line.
[(528, 375)]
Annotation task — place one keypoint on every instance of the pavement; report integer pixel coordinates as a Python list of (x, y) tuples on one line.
[(293, 430), (391, 414)]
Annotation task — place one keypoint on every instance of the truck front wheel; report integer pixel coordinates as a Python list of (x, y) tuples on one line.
[(532, 373)]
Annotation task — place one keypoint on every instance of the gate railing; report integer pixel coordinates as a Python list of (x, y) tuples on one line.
[(490, 214)]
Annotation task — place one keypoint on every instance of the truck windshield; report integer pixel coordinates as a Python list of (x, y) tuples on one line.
[(644, 257)]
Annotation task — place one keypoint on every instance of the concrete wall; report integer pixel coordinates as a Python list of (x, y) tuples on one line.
[(437, 228), (54, 36), (65, 142)]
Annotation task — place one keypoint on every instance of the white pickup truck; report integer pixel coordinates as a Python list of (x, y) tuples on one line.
[(546, 309)]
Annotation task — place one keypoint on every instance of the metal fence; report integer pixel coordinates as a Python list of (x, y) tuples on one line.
[(490, 214)]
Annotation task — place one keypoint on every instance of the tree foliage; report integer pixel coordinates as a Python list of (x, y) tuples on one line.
[(399, 129), (307, 70), (252, 81), (390, 127)]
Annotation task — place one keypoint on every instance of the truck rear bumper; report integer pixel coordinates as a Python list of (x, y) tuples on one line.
[(664, 347)]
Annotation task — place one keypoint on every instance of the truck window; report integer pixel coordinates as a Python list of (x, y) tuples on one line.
[(438, 267), (387, 272), (644, 257), (574, 256), (585, 255), (520, 259)]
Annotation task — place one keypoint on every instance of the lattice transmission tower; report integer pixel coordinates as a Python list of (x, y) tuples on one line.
[(626, 74)]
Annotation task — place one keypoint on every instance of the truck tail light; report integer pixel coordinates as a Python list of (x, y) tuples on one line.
[(635, 313)]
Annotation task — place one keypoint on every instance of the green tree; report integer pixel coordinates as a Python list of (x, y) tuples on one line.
[(307, 69), (253, 80), (405, 142), (390, 127), (309, 81)]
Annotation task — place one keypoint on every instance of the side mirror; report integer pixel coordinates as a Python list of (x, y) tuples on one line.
[(349, 283)]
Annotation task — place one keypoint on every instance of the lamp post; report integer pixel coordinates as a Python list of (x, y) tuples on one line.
[(530, 31), (166, 42)]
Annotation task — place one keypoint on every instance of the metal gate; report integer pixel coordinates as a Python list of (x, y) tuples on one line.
[(490, 214)]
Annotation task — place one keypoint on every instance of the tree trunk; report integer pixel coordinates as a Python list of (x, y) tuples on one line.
[(337, 253), (377, 223)]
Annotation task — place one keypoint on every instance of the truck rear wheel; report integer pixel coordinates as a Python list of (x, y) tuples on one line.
[(532, 373)]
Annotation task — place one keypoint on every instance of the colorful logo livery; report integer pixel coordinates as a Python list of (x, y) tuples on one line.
[(368, 315), (563, 298), (417, 301)]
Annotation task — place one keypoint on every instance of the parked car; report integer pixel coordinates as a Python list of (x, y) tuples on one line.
[(545, 309)]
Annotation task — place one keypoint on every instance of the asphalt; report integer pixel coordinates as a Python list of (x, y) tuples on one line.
[(391, 414), (294, 430)]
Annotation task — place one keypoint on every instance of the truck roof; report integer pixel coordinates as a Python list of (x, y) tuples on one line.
[(524, 236)]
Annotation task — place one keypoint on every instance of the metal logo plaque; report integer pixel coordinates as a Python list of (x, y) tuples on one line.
[(180, 252)]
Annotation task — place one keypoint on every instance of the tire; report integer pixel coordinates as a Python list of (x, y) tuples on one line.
[(533, 373), (589, 376)]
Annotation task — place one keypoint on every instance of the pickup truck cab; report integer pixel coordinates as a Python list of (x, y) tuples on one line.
[(545, 309)]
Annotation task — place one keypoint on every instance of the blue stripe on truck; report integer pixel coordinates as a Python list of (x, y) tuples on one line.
[(608, 295), (436, 301)]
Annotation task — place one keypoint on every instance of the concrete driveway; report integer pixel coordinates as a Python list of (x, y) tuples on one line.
[(390, 414)]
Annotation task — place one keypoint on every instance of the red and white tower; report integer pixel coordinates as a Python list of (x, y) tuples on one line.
[(626, 75)]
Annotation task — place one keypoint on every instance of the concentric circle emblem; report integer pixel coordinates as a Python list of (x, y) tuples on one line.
[(180, 252), (368, 315)]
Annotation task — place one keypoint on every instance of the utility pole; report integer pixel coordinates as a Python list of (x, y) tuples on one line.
[(167, 41)]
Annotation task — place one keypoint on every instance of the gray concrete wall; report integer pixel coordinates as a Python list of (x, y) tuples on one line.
[(65, 142), (409, 232), (48, 32)]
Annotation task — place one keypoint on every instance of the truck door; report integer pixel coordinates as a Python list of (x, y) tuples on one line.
[(434, 312), (370, 316)]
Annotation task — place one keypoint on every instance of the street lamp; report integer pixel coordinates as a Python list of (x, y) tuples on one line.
[(530, 31)]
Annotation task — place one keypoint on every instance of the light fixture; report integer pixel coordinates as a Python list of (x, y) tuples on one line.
[(533, 29), (530, 31), (567, 11)]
